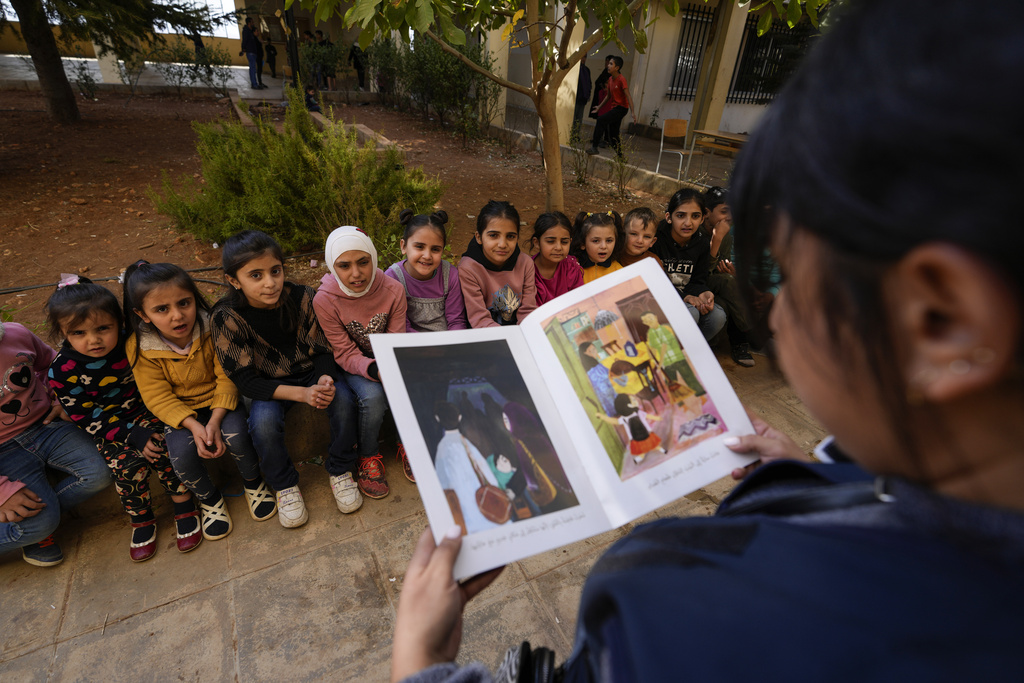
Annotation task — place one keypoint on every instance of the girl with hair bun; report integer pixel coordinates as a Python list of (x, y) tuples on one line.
[(432, 290)]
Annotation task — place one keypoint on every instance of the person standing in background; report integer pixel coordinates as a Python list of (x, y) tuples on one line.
[(583, 88)]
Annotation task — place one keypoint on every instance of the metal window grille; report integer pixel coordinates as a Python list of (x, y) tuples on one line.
[(696, 24), (764, 64), (767, 61)]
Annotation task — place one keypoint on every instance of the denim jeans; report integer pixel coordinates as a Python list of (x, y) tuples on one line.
[(253, 75), (711, 323), (181, 448), (59, 446), (372, 405), (266, 424)]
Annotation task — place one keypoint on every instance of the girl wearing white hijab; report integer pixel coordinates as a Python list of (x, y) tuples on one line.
[(354, 301)]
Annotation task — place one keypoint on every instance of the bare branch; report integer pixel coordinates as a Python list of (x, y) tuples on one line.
[(590, 42), (570, 24), (479, 69)]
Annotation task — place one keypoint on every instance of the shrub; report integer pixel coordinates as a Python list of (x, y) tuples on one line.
[(384, 61), (177, 64), (296, 185)]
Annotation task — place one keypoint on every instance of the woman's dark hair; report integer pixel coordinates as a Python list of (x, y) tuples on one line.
[(141, 278), (587, 220), (243, 247), (867, 147), (685, 195), (621, 367), (413, 222), (549, 220), (588, 361), (72, 304), (495, 209)]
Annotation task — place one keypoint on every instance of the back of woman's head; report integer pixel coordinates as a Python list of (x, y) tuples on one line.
[(869, 148), (142, 277), (496, 209), (549, 220), (74, 301), (414, 222)]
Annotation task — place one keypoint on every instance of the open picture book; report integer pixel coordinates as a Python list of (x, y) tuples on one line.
[(599, 407)]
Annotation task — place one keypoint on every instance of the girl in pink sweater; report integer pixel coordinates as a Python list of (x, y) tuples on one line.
[(498, 280), (354, 301)]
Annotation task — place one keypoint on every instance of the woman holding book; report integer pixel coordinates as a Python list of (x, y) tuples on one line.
[(898, 301)]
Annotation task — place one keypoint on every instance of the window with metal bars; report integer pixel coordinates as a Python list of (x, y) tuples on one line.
[(764, 64)]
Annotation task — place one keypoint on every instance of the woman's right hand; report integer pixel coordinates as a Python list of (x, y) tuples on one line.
[(428, 629), (768, 443)]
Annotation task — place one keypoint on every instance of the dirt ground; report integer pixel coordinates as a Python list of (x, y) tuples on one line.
[(73, 199)]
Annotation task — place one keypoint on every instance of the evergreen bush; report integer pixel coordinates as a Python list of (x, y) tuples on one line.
[(296, 185)]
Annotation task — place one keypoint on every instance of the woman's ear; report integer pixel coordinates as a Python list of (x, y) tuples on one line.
[(958, 322), (232, 281)]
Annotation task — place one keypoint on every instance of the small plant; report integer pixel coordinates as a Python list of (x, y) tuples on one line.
[(384, 62), (176, 63), (296, 185), (213, 69), (579, 161), (653, 123), (82, 76), (130, 70), (623, 168)]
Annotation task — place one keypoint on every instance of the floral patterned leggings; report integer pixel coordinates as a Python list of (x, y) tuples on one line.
[(131, 472)]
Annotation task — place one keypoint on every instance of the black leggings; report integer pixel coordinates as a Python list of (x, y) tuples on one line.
[(608, 126)]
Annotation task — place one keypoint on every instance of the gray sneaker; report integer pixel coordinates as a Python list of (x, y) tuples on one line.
[(741, 354), (346, 492), (291, 508)]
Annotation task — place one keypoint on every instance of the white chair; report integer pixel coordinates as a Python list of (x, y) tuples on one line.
[(674, 128)]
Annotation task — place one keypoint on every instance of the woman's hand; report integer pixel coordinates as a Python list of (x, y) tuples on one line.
[(321, 394), (769, 444), (428, 629)]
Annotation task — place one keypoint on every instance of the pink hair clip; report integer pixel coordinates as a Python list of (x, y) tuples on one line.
[(67, 279)]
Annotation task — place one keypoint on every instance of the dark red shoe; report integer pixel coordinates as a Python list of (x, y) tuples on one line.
[(370, 477), (190, 540), (403, 458), (140, 552)]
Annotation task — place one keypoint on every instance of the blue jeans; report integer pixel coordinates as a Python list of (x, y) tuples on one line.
[(266, 425), (372, 404), (60, 446), (181, 449), (253, 79), (711, 323)]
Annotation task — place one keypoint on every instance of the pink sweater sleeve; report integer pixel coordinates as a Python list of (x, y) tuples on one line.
[(346, 353), (472, 285), (8, 488), (454, 307), (529, 287)]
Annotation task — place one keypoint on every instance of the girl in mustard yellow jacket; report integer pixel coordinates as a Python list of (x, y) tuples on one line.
[(184, 386)]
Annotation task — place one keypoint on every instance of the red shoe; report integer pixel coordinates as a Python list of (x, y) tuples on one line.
[(370, 477), (403, 458), (188, 541), (140, 552)]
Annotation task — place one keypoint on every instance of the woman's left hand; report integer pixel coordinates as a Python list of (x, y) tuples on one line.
[(428, 629)]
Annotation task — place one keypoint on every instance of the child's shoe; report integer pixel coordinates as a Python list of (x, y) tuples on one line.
[(346, 492), (291, 508), (143, 547), (403, 458), (216, 520), (261, 503), (188, 530), (371, 477), (45, 553), (741, 355)]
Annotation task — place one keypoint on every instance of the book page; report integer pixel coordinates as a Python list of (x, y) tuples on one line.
[(639, 389), (475, 415)]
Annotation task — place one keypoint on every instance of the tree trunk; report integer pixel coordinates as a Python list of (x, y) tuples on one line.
[(552, 149), (42, 46)]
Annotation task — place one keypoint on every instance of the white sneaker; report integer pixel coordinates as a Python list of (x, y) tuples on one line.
[(346, 492), (291, 509)]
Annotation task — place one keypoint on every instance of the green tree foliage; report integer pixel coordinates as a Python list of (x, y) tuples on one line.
[(123, 27), (296, 185)]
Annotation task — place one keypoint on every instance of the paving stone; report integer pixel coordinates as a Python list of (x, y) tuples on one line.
[(320, 616), (32, 667), (561, 589), (190, 639), (489, 629), (33, 601)]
